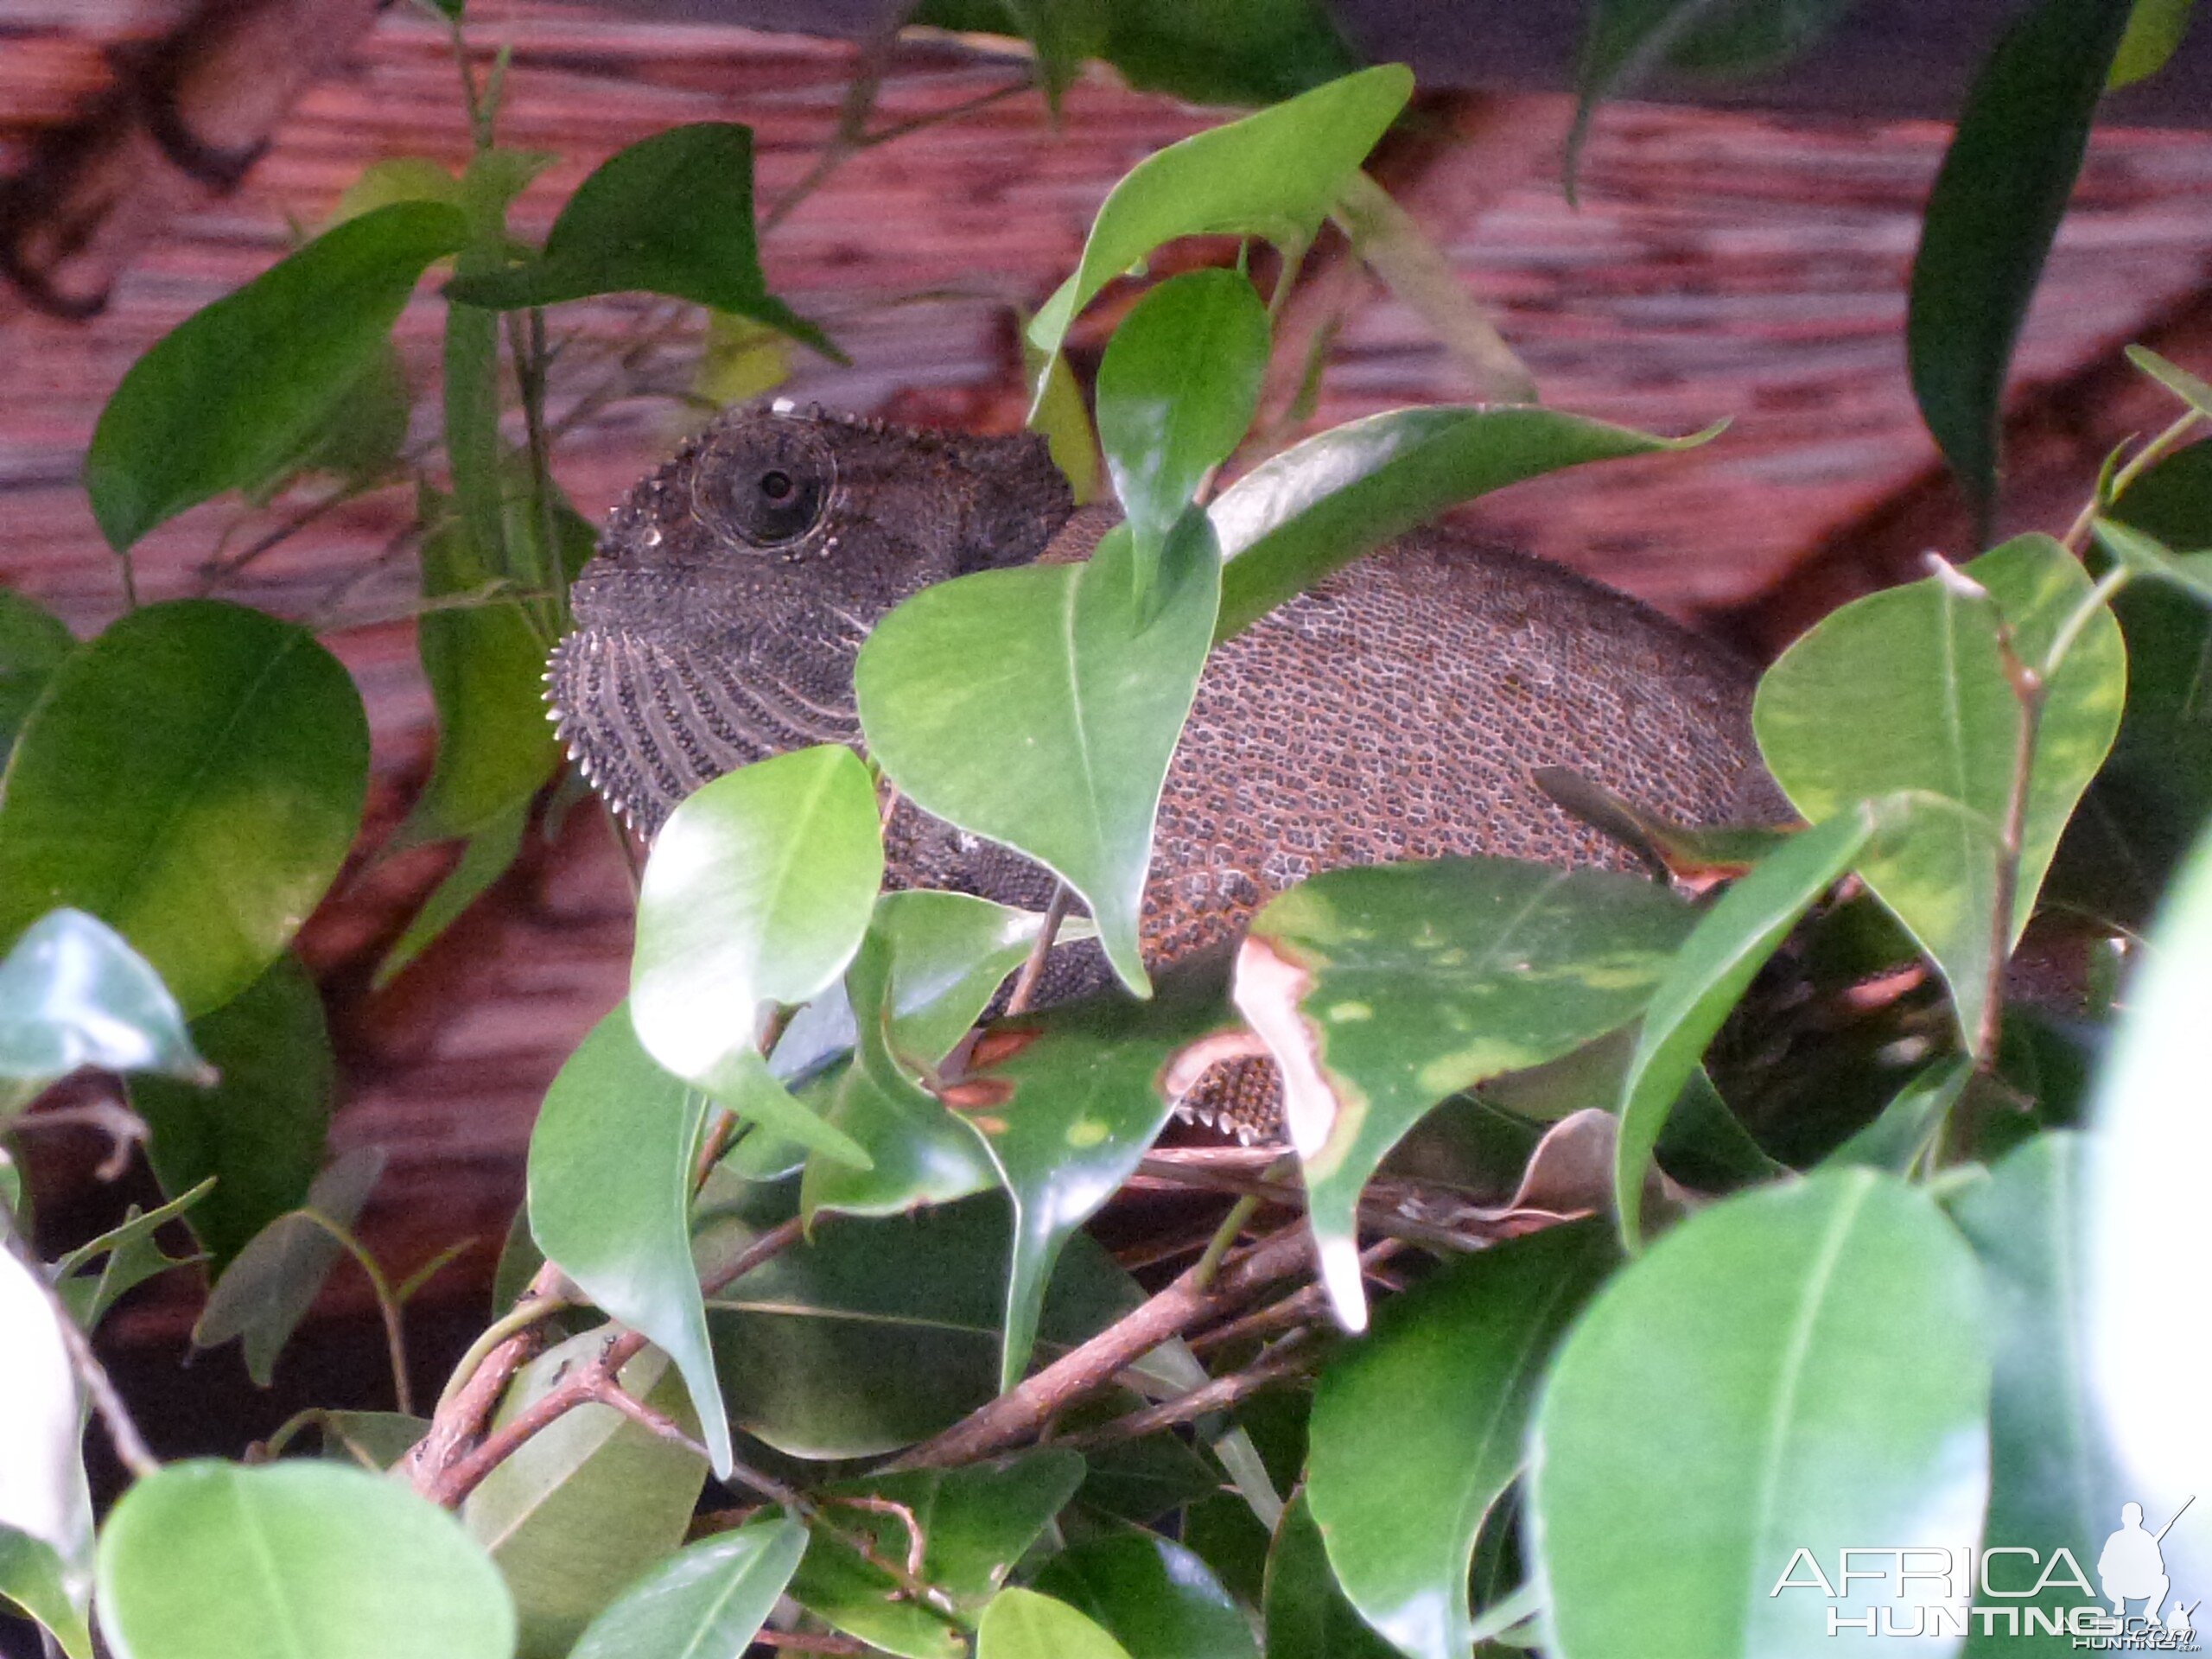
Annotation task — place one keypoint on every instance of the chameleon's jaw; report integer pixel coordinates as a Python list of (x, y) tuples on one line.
[(648, 723)]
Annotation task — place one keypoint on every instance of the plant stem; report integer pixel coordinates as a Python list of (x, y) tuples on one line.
[(2077, 535), (1224, 1238), (131, 1448), (395, 1334), (1293, 1356), (1032, 970), (519, 1317)]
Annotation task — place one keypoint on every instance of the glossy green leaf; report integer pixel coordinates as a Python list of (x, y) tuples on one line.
[(260, 1130), (271, 1283), (2051, 1480), (2175, 378), (976, 1523), (1417, 1430), (587, 1504), (1082, 1104), (31, 1577), (1274, 174), (1057, 665), (359, 440), (489, 855), (2146, 1228), (1306, 1614), (1391, 243), (610, 1163), (237, 387), (670, 214), (2147, 556), (1708, 975), (1668, 849), (707, 1601), (878, 1333), (1737, 1392), (45, 1509), (1022, 1624), (33, 642), (2155, 30), (194, 777), (758, 892), (1156, 1597), (1165, 427), (1990, 218), (484, 661), (1381, 991), (302, 1560), (930, 964), (1906, 690), (72, 993), (1321, 504), (1902, 1135), (128, 1253)]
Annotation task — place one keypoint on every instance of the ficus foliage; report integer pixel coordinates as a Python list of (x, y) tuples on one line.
[(790, 1230)]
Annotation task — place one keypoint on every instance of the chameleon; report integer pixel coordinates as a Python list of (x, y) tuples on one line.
[(1393, 711)]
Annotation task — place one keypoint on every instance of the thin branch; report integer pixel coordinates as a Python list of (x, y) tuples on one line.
[(519, 1317), (388, 1305), (1019, 1415), (802, 1641), (1309, 1302), (608, 1392), (1032, 970), (123, 1128), (1293, 1357), (478, 1383), (917, 1542), (131, 1448)]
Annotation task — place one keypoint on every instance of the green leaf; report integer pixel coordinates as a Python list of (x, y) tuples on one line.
[(489, 855), (1079, 1102), (976, 1523), (359, 440), (1738, 1392), (1177, 390), (930, 965), (1321, 504), (1056, 664), (486, 663), (33, 643), (877, 1333), (2174, 378), (2146, 555), (1306, 1614), (1381, 991), (2146, 1227), (74, 993), (1274, 174), (1990, 219), (2051, 1480), (708, 1599), (1708, 975), (1417, 1430), (303, 1560), (271, 1283), (370, 1440), (31, 1577), (132, 1256), (610, 1163), (1908, 1126), (670, 214), (588, 1503), (1626, 39), (194, 777), (759, 890), (1907, 690), (227, 395), (45, 1509), (260, 1130), (1391, 243), (1022, 1624), (2155, 28), (1154, 1597)]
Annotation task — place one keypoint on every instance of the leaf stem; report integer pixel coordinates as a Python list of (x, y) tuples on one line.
[(1033, 970), (2077, 535), (388, 1305), (131, 1448)]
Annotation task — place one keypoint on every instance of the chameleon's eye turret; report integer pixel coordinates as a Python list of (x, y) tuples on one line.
[(764, 485)]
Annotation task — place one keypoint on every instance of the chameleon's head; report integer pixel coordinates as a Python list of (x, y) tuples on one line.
[(732, 589)]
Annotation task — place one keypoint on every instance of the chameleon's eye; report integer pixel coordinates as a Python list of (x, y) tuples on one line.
[(764, 486)]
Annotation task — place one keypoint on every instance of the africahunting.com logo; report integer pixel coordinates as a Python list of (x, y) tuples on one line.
[(2005, 1589)]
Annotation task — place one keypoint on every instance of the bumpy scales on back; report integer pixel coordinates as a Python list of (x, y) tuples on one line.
[(1393, 712)]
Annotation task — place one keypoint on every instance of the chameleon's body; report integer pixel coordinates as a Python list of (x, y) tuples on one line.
[(1392, 712)]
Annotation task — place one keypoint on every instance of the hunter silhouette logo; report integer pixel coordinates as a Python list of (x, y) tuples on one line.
[(1996, 1590)]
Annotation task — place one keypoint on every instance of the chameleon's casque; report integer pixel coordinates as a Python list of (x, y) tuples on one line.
[(1393, 712)]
